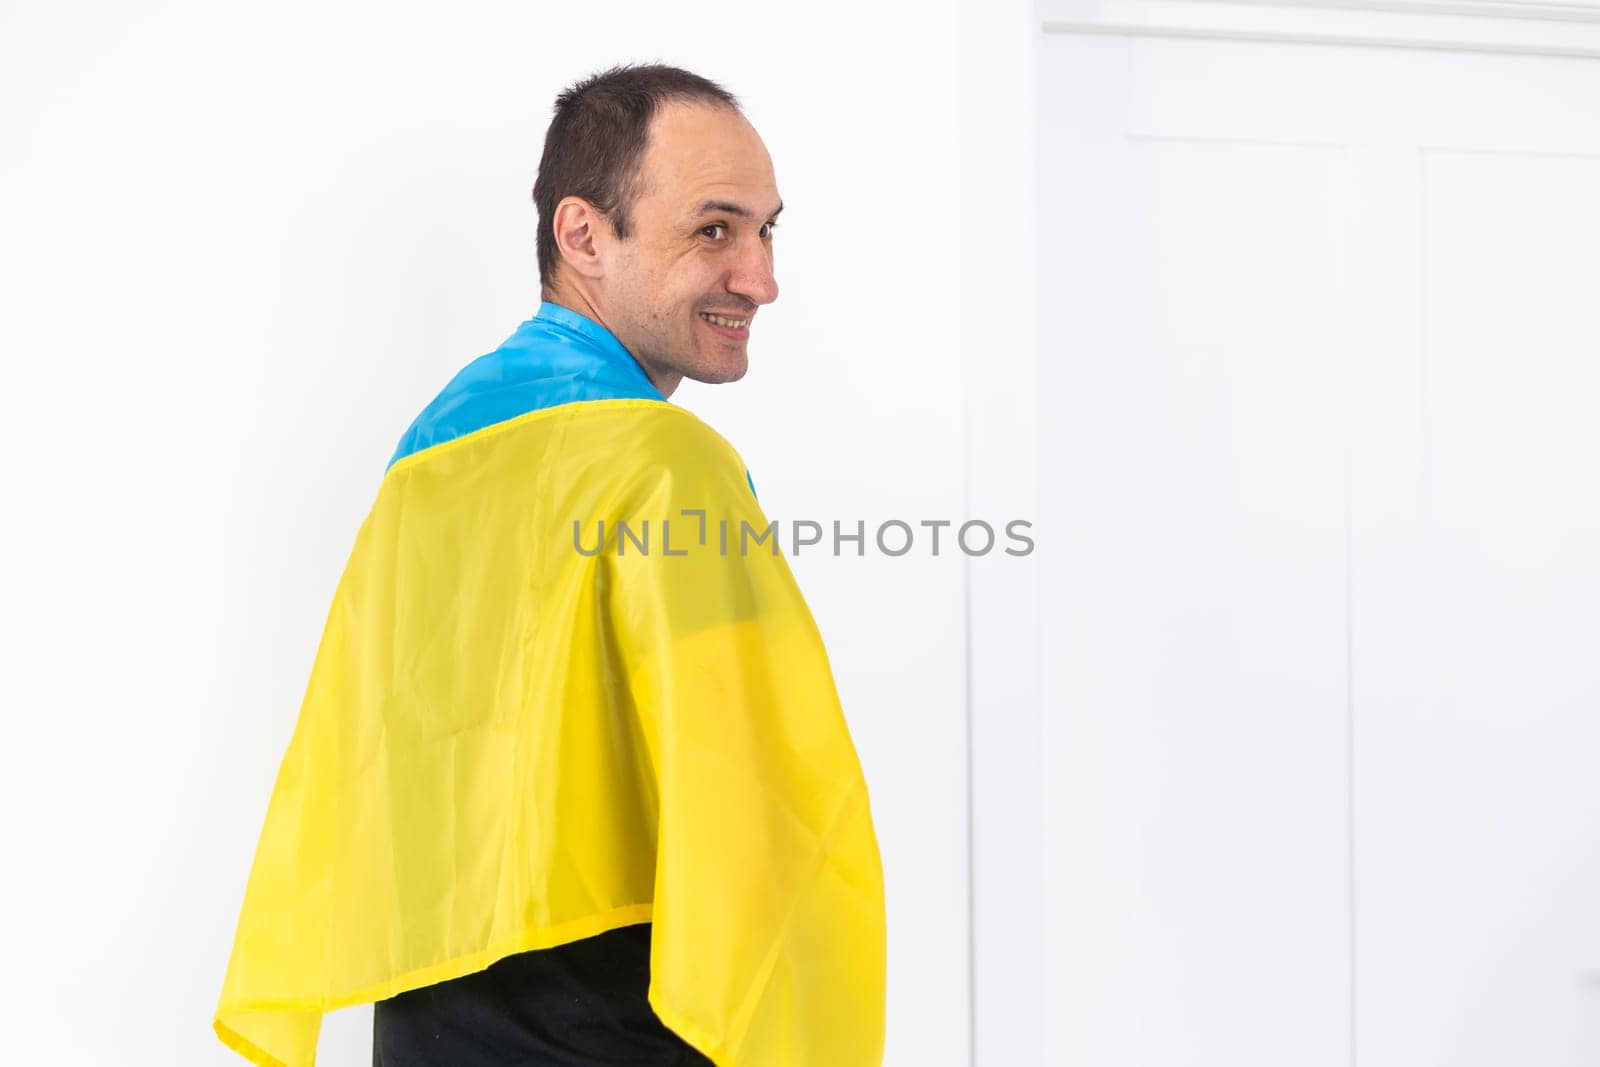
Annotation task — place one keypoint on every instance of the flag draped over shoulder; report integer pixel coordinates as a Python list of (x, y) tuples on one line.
[(515, 735)]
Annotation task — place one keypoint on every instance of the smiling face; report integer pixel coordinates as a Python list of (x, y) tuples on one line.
[(680, 291)]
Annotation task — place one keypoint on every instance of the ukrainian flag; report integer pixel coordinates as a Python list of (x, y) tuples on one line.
[(517, 735)]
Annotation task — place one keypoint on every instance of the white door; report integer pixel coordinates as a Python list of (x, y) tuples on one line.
[(1319, 430)]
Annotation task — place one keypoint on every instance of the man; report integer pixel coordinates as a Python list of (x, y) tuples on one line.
[(556, 794)]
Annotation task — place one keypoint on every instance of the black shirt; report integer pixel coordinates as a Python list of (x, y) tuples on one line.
[(581, 1004)]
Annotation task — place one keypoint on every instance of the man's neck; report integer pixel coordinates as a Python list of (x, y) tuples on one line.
[(563, 296)]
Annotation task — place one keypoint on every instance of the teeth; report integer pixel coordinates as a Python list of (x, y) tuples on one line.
[(720, 321)]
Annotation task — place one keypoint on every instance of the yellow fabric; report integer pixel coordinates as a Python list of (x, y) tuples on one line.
[(506, 744)]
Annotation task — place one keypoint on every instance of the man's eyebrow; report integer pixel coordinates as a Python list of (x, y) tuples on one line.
[(728, 207)]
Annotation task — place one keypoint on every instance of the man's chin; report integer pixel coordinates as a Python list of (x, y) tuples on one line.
[(720, 373), (719, 367)]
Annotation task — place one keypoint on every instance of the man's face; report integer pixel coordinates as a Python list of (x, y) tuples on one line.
[(701, 243)]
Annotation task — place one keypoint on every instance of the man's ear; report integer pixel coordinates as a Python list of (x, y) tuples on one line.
[(579, 230)]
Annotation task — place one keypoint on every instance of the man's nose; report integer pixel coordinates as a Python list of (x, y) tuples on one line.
[(752, 274)]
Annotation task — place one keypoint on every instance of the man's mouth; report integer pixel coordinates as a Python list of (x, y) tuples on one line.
[(728, 326)]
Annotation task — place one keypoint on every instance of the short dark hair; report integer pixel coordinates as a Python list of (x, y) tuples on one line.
[(596, 142)]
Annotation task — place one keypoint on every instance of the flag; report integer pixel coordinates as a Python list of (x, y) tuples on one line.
[(565, 685)]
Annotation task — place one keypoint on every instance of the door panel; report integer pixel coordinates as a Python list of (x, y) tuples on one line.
[(1321, 691)]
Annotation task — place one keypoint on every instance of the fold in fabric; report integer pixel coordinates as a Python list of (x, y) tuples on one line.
[(509, 743)]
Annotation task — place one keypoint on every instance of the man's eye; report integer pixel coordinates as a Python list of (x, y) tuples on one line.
[(766, 228)]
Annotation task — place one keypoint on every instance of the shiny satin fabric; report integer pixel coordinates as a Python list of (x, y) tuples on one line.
[(513, 738)]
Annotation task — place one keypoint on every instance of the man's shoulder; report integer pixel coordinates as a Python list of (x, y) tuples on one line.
[(677, 432), (536, 368), (666, 444), (628, 448)]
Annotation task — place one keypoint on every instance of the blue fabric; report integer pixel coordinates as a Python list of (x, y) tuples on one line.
[(556, 357)]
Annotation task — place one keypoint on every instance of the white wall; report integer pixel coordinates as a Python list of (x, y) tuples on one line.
[(241, 248)]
